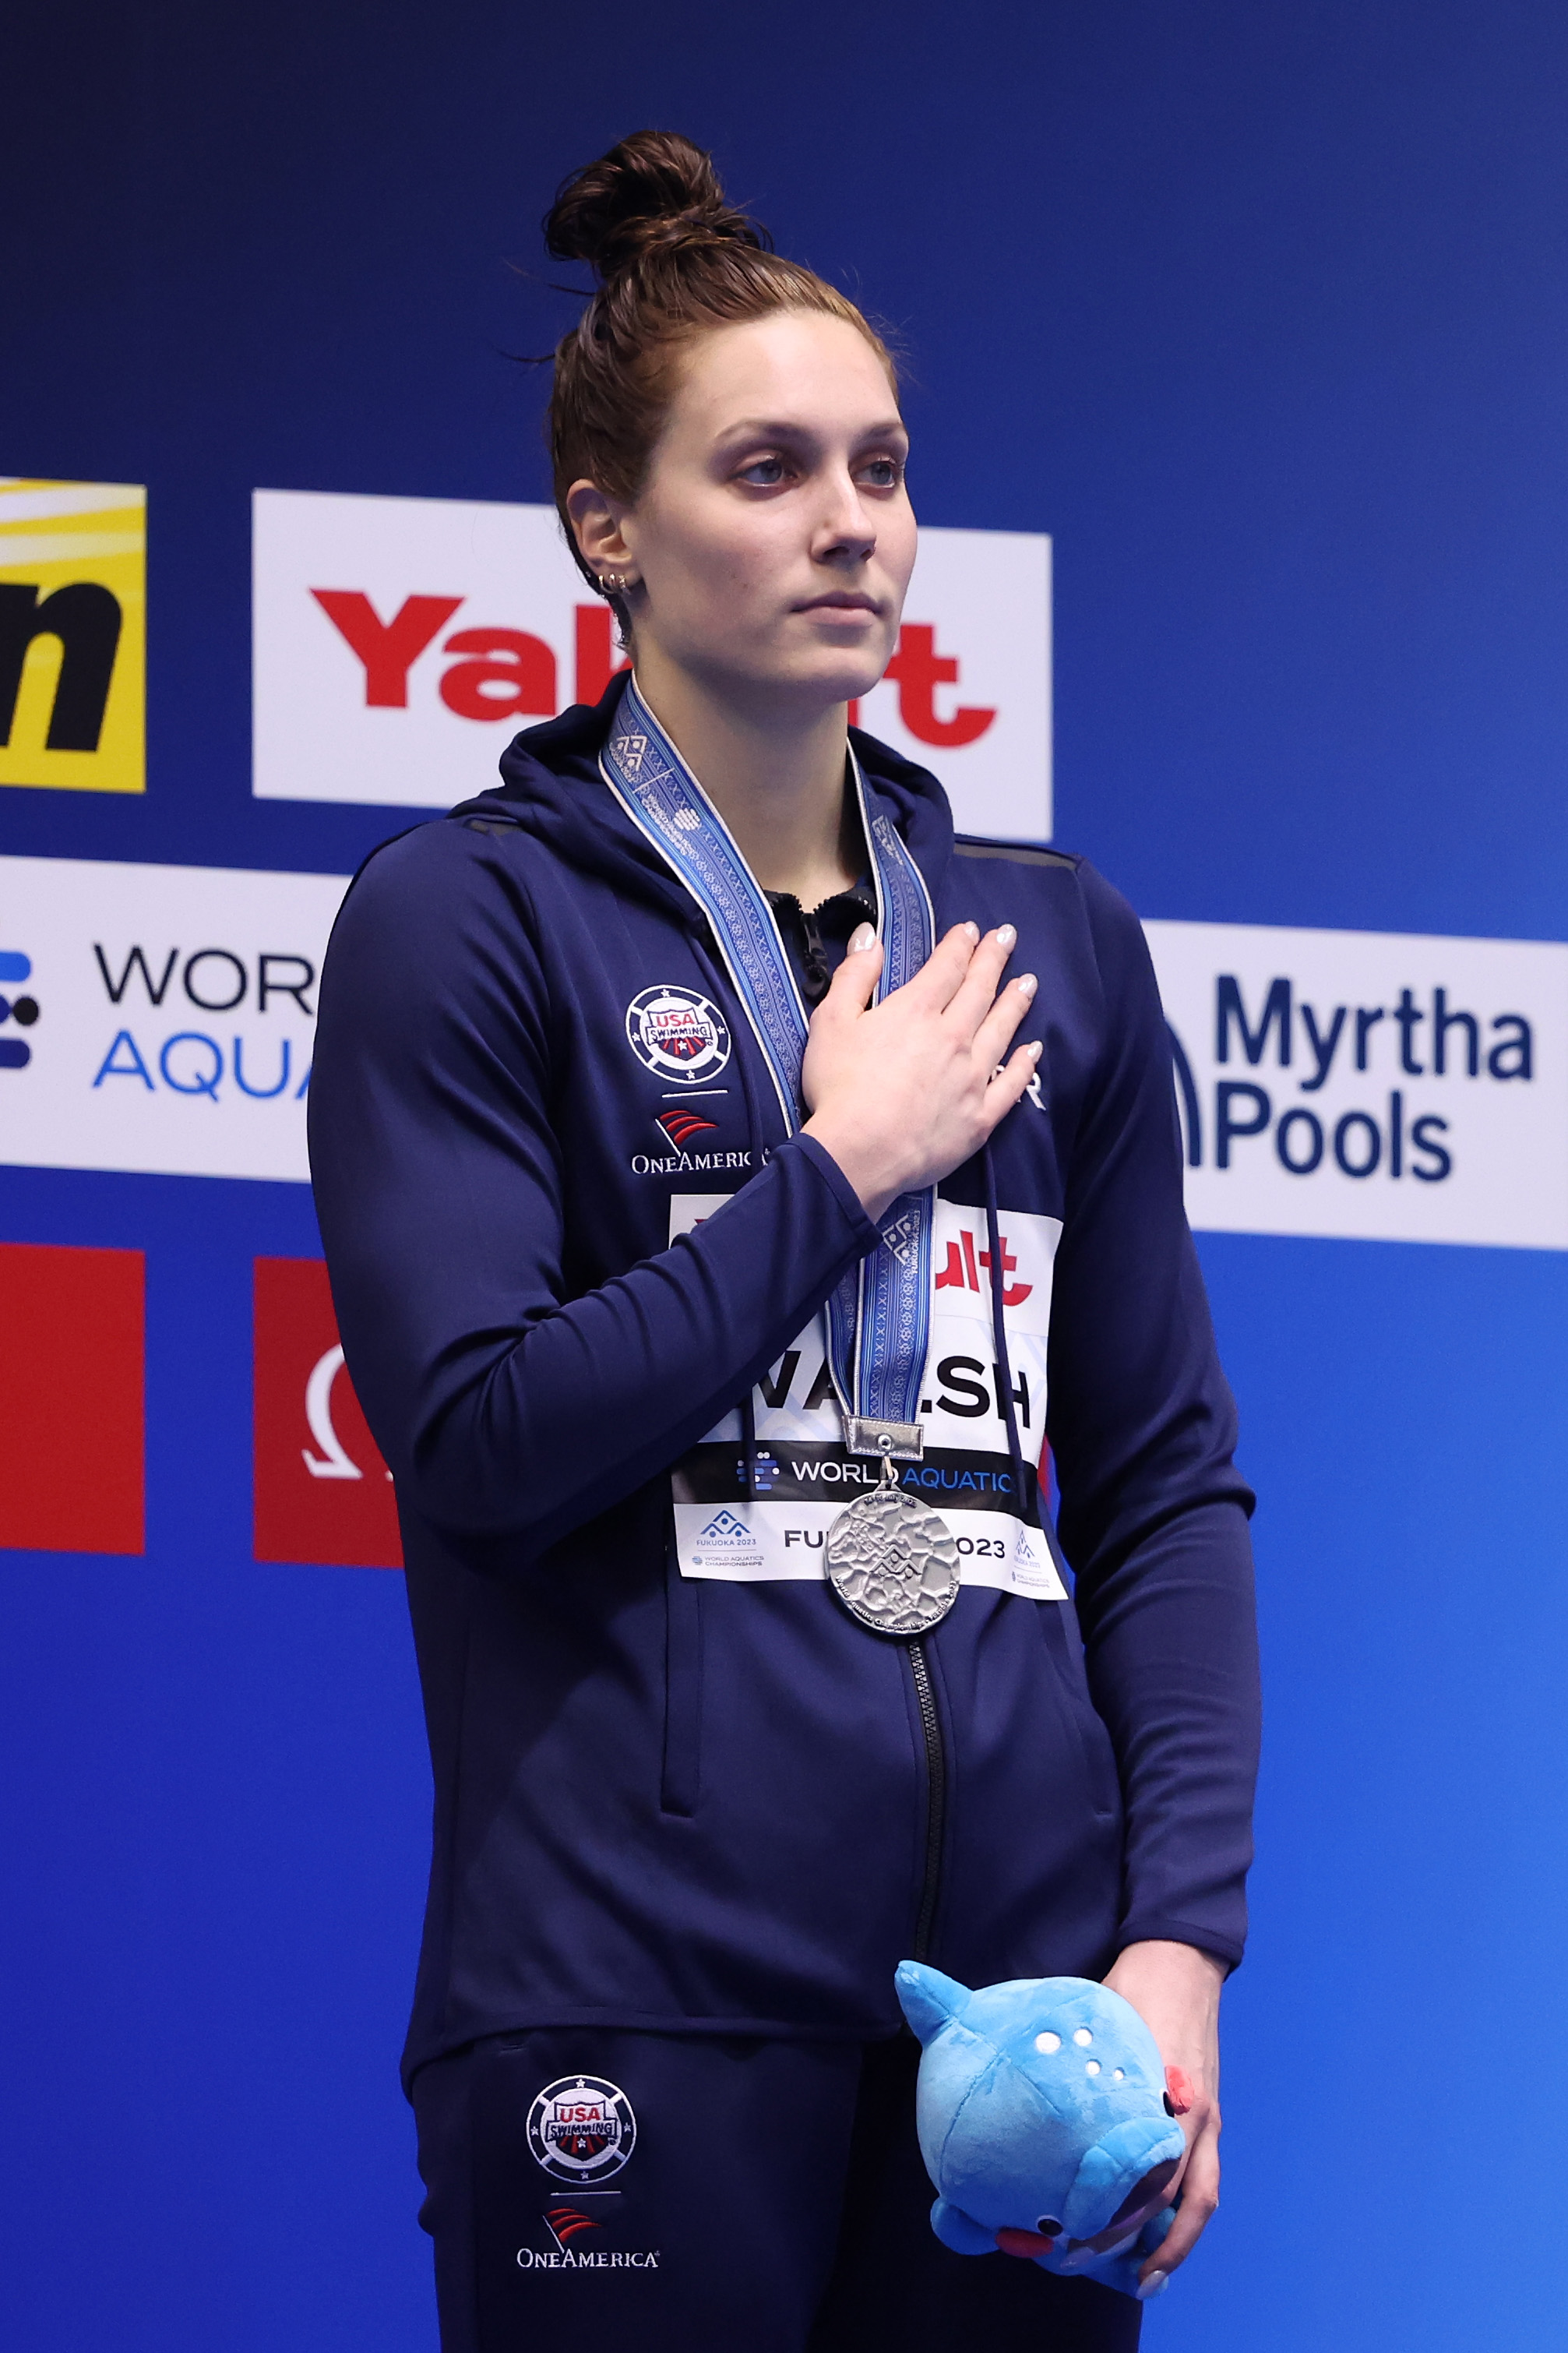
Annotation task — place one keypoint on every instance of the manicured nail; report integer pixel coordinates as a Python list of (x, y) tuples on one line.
[(1155, 2284), (972, 930), (1027, 985), (1008, 936), (1035, 1047), (861, 938)]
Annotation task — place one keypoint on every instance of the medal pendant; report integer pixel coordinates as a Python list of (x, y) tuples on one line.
[(893, 1563)]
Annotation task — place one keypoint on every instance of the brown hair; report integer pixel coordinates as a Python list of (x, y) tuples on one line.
[(672, 259)]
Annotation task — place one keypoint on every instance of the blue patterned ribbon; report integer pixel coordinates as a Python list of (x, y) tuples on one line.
[(879, 1318)]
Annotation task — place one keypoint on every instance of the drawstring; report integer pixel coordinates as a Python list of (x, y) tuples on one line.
[(998, 1326), (754, 1144)]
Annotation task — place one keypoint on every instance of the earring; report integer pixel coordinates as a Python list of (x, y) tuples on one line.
[(616, 584)]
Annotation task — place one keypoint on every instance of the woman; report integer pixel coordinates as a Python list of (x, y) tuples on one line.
[(712, 1176)]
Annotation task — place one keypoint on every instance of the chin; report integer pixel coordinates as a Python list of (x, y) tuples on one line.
[(819, 676), (842, 677)]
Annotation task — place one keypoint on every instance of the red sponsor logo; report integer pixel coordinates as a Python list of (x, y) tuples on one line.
[(917, 670), (505, 673), (71, 1441), (499, 673), (566, 2221), (962, 1272), (682, 1125), (322, 1492)]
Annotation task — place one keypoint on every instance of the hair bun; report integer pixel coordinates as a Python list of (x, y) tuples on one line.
[(655, 191)]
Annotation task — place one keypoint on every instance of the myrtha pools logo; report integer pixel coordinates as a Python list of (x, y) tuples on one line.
[(678, 1035), (581, 2129)]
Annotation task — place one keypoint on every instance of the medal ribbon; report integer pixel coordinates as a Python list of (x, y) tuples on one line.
[(879, 1318)]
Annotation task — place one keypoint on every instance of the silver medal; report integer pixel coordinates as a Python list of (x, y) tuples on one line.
[(892, 1562)]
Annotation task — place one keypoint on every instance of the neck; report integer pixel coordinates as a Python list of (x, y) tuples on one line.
[(777, 781)]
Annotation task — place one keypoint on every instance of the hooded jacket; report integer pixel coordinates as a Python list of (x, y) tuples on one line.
[(710, 1802)]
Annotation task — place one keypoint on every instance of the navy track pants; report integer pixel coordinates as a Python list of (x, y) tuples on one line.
[(591, 2185)]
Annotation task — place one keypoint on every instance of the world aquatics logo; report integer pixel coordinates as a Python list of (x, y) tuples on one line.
[(14, 1052)]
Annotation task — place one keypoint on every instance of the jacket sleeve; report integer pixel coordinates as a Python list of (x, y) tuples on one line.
[(1154, 1512), (505, 1405)]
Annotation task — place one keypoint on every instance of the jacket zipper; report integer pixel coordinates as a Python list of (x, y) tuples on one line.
[(936, 1796)]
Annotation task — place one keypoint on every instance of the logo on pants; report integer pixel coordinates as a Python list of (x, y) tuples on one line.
[(581, 2129)]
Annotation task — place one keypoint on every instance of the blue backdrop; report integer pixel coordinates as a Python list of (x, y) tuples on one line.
[(1259, 310)]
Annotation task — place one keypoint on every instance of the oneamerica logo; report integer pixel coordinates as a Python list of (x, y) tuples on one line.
[(571, 2259), (678, 1035), (672, 1163), (581, 2129)]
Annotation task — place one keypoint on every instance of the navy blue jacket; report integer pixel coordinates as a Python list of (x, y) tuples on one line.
[(671, 1802)]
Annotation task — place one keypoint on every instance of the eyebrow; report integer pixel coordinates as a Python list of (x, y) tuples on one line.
[(776, 428)]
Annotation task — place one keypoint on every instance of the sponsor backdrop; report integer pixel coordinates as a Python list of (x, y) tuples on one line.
[(1249, 319)]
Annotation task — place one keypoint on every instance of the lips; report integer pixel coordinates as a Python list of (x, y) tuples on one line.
[(846, 604)]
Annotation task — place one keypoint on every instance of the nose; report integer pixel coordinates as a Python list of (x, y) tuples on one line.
[(846, 532)]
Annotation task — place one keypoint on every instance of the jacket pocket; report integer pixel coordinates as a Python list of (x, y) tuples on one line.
[(1064, 1648), (682, 1772)]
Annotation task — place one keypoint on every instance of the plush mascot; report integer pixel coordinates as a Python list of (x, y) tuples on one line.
[(1047, 2122)]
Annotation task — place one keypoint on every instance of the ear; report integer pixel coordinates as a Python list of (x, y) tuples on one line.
[(929, 1999), (598, 519)]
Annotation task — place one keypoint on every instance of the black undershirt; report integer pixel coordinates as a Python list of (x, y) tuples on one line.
[(816, 938)]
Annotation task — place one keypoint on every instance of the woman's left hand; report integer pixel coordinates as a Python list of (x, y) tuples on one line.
[(1175, 1990)]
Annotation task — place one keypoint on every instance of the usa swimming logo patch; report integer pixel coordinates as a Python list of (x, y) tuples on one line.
[(581, 2129), (678, 1035)]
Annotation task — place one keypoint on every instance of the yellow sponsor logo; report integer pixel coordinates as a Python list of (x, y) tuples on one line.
[(73, 607)]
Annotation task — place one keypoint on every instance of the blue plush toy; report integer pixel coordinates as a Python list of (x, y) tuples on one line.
[(1047, 2122)]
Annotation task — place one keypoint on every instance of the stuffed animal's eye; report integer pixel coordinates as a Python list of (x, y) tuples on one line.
[(1169, 2103), (1048, 2227)]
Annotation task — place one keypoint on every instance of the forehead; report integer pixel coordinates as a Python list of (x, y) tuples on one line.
[(792, 367)]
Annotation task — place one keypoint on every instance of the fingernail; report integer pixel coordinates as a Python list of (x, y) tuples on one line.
[(1036, 1048), (862, 937), (1028, 984), (1008, 936), (1155, 2284), (972, 930)]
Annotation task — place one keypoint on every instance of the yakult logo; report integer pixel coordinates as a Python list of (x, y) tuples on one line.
[(1369, 1083), (398, 642)]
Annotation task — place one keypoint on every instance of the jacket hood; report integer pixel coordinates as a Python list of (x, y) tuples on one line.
[(550, 786)]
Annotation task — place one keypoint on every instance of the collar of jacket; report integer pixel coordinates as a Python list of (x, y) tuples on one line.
[(552, 787)]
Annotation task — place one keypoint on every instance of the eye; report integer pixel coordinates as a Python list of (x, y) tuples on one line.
[(882, 473), (763, 473), (1048, 2227)]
